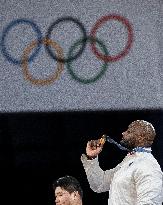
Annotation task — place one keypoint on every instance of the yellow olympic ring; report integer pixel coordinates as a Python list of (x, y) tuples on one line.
[(51, 78)]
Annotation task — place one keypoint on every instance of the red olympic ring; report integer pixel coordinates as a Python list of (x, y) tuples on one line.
[(103, 20)]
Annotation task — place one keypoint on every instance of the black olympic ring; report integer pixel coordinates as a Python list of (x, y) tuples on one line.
[(5, 33), (48, 35), (99, 74)]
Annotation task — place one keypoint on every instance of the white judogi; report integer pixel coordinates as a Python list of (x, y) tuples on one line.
[(137, 180)]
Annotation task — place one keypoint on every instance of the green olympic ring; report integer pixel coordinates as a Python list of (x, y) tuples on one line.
[(99, 74)]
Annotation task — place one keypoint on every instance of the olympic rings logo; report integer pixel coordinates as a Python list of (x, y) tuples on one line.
[(59, 57)]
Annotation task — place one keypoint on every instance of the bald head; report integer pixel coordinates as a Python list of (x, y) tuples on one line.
[(139, 133), (144, 129)]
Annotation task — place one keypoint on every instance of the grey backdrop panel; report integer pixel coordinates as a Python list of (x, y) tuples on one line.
[(132, 82)]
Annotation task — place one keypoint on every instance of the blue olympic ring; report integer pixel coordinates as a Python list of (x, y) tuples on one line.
[(5, 33)]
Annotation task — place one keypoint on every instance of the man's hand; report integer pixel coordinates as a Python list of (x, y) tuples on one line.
[(94, 147)]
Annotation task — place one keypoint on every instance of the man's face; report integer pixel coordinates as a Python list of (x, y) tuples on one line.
[(129, 137), (63, 197)]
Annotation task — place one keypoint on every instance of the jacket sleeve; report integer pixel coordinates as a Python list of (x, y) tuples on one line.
[(149, 185), (98, 179)]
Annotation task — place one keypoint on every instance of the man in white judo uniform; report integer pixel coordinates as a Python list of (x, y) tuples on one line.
[(138, 179)]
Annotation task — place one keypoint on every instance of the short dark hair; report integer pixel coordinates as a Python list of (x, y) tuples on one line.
[(68, 183)]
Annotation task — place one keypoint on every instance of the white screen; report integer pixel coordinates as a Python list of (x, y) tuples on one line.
[(129, 79)]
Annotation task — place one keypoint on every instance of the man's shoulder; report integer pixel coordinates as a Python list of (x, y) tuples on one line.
[(148, 163)]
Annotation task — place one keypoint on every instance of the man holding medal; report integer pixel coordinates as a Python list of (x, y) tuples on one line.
[(138, 179)]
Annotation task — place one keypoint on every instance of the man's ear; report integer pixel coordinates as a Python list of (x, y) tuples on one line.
[(75, 194), (140, 139)]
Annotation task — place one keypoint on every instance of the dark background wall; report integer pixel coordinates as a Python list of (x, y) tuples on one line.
[(37, 148)]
